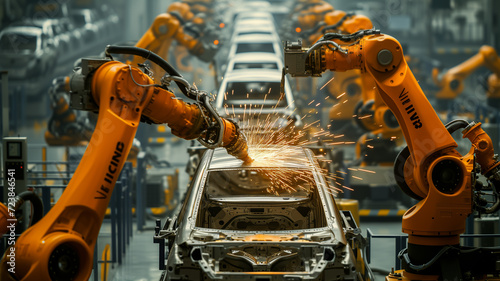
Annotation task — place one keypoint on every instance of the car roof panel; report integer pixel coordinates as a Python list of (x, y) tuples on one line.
[(268, 156), (23, 29)]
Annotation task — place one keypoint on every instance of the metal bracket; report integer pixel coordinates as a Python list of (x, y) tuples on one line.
[(297, 63), (80, 85)]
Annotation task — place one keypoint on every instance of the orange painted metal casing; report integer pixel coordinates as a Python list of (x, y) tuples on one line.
[(189, 121), (334, 17)]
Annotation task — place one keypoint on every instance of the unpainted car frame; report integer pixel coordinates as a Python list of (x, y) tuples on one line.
[(254, 61), (237, 231), (251, 43), (26, 52)]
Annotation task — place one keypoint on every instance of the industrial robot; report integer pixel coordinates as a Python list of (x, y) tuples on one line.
[(207, 25), (348, 89), (60, 246), (430, 169), (451, 82), (181, 24)]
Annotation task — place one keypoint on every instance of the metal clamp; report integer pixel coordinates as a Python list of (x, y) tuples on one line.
[(80, 85)]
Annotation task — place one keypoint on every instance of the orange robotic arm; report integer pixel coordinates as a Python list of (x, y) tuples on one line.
[(451, 82), (434, 172), (171, 26), (61, 245)]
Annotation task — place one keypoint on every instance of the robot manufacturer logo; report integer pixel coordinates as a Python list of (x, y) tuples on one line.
[(403, 97), (112, 168)]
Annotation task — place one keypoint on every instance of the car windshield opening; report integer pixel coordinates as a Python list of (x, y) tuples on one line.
[(18, 42), (246, 65), (255, 90), (254, 32), (255, 47), (260, 199)]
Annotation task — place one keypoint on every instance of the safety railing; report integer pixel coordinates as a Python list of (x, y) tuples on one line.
[(120, 220)]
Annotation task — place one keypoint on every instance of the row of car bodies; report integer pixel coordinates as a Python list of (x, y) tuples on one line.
[(251, 90), (232, 227), (274, 218), (32, 47)]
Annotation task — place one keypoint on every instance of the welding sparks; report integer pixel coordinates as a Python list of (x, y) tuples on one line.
[(268, 123), (366, 171), (327, 83)]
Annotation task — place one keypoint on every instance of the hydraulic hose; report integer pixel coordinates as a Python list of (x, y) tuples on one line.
[(147, 54), (35, 200), (454, 125)]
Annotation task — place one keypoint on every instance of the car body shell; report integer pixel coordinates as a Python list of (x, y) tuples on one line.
[(69, 38), (231, 103), (46, 28), (254, 61), (25, 53), (213, 237), (254, 29), (254, 15), (255, 21), (278, 9)]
